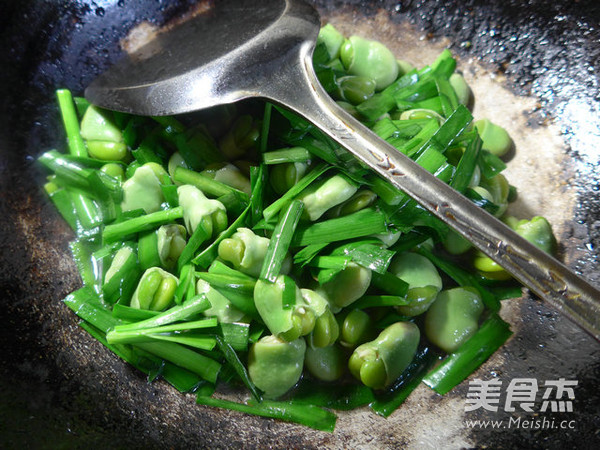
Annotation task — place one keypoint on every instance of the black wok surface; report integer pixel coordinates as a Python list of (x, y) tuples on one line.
[(61, 389)]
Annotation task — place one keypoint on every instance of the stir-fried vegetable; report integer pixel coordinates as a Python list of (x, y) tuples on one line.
[(259, 253)]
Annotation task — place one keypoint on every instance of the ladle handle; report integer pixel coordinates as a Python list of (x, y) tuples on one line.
[(548, 278)]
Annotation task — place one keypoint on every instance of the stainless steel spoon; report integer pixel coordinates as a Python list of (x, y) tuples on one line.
[(242, 49)]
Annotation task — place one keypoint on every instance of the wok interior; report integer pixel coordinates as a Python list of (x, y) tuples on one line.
[(61, 386)]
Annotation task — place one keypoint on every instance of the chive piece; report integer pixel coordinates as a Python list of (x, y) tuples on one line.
[(239, 291), (466, 165), (280, 241), (197, 148), (181, 379), (71, 123), (129, 314), (490, 164), (119, 336), (83, 259), (462, 278), (287, 155), (369, 254), (308, 415), (209, 254), (201, 342), (198, 237), (361, 223), (507, 292), (233, 359), (170, 193), (208, 186), (176, 313), (409, 240), (63, 202), (330, 262), (81, 105), (413, 145), (114, 232), (258, 183), (146, 153), (235, 334), (338, 396), (181, 356), (86, 304), (169, 123), (148, 250), (186, 277), (306, 255), (220, 268), (389, 283), (373, 301), (457, 366), (449, 100), (243, 284), (273, 209), (451, 129), (266, 125)]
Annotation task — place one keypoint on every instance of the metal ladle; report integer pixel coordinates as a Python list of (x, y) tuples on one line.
[(242, 49)]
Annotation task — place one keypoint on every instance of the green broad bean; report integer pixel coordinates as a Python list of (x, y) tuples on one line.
[(475, 178), (332, 39), (325, 363), (107, 151), (171, 240), (455, 244), (356, 328), (360, 200), (155, 291), (537, 231), (379, 362), (98, 125), (499, 189), (453, 318), (369, 59), (484, 193), (461, 88), (284, 176), (495, 138), (228, 174), (199, 210), (243, 135), (326, 329), (114, 170), (389, 238), (220, 306), (404, 67), (424, 281), (142, 190), (288, 318), (275, 365), (355, 89), (175, 161), (421, 113), (488, 268), (323, 196), (121, 257), (347, 286), (246, 251)]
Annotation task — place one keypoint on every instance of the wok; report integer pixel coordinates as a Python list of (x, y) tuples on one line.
[(533, 66)]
